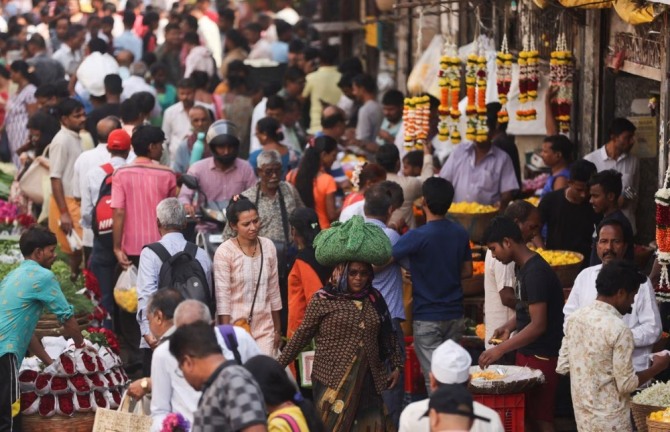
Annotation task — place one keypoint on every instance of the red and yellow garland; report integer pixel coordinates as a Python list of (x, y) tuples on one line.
[(560, 75)]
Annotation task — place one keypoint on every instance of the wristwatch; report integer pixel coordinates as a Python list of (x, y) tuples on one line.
[(144, 383)]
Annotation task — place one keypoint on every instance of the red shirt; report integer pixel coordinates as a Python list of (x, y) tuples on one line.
[(138, 188)]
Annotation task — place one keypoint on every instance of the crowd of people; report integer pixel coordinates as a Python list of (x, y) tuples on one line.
[(153, 128)]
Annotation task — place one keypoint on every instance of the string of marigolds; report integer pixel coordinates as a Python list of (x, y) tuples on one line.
[(481, 134), (528, 80), (503, 79), (449, 80), (560, 75), (662, 199), (416, 121)]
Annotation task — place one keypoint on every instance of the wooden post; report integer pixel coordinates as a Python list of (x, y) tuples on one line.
[(664, 106), (589, 84)]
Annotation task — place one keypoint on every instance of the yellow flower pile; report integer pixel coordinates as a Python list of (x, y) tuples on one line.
[(558, 258), (126, 299), (470, 207), (661, 416), (535, 200)]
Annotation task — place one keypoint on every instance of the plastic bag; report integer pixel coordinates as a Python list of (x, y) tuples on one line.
[(30, 402), (65, 406), (423, 78), (125, 291)]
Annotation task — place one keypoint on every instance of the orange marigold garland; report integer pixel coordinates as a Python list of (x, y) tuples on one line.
[(449, 80), (416, 119), (481, 132), (662, 199), (503, 79), (443, 110)]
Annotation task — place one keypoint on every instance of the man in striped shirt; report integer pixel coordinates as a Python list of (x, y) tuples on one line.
[(137, 188)]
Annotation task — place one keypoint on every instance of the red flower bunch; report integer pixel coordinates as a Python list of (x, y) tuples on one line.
[(47, 405), (66, 404), (100, 399), (27, 399), (91, 283), (116, 397), (25, 220), (99, 314), (58, 384), (98, 361), (28, 376), (112, 341), (89, 362), (96, 381), (80, 384), (42, 382), (84, 401), (109, 376), (67, 363)]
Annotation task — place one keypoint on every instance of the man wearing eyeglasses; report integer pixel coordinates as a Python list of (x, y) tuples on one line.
[(644, 320), (275, 200)]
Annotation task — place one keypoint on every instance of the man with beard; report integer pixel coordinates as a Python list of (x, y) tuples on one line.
[(644, 320), (223, 175), (598, 347), (24, 293), (64, 208)]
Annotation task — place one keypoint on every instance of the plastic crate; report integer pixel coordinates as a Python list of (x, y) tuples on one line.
[(510, 407), (415, 384)]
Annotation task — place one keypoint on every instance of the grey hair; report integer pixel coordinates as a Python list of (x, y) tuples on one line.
[(268, 157), (171, 214), (138, 69), (191, 311)]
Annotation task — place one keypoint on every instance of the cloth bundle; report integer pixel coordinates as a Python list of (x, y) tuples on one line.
[(354, 240)]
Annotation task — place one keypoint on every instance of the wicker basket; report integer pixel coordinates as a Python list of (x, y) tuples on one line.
[(474, 223), (79, 422), (641, 413), (656, 426), (48, 325), (504, 387), (568, 273)]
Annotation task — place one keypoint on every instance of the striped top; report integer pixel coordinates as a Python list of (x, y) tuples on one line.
[(138, 188)]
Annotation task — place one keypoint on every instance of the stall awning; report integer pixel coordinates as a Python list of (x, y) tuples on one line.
[(631, 11)]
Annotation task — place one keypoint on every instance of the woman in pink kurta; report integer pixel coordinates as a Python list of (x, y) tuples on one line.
[(237, 264)]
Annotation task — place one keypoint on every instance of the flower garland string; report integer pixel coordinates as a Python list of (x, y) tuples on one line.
[(560, 75), (503, 79), (482, 130), (528, 75), (662, 199)]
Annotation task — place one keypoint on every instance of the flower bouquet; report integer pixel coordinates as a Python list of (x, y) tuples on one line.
[(175, 422)]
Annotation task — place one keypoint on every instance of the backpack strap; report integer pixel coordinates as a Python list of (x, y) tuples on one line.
[(291, 422), (191, 249), (230, 338), (159, 250), (108, 168)]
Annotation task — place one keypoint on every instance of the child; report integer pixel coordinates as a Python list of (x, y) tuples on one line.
[(412, 163)]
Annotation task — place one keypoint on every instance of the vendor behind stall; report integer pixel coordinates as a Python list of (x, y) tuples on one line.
[(481, 173), (23, 294)]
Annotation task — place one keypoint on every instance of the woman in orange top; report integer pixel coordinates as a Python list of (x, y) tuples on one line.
[(307, 276), (316, 187)]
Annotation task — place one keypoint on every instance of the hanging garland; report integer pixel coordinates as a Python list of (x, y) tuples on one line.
[(481, 134), (662, 199), (454, 75), (528, 73), (503, 79), (560, 75), (443, 110), (416, 121)]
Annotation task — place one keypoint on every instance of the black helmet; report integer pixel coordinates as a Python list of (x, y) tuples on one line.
[(222, 133)]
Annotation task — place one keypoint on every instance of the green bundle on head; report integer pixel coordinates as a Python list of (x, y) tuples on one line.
[(354, 240)]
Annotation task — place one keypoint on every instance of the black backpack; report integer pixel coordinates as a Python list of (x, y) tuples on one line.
[(183, 272)]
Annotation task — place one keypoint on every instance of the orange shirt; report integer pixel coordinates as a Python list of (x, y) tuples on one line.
[(324, 185), (303, 282)]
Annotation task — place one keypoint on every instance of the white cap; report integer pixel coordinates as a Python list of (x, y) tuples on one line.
[(451, 363)]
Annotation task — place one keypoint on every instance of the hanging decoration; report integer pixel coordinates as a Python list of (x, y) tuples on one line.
[(503, 79), (416, 121), (662, 198), (449, 80), (482, 130), (560, 75), (528, 74)]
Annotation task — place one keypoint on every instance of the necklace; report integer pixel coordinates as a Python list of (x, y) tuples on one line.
[(242, 249)]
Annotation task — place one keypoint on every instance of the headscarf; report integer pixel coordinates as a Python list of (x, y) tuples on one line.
[(338, 288)]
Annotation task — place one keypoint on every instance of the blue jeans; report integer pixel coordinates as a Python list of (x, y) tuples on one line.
[(393, 398), (428, 335), (103, 266)]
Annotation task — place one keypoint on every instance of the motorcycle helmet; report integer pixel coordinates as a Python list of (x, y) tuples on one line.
[(222, 133)]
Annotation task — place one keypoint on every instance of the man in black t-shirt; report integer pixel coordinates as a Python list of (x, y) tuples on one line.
[(568, 215), (538, 321), (605, 189)]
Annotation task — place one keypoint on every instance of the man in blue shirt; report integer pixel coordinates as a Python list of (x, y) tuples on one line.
[(379, 204), (23, 295), (437, 256)]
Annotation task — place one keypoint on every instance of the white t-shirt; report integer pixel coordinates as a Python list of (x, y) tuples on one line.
[(353, 210), (412, 418), (496, 277)]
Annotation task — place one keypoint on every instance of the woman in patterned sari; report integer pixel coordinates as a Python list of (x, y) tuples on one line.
[(351, 326)]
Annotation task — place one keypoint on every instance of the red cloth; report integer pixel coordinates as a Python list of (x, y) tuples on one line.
[(541, 400)]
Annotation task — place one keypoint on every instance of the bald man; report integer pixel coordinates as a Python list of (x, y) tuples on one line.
[(92, 159)]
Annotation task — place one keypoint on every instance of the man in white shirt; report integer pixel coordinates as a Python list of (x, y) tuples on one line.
[(209, 32), (87, 161), (644, 320), (260, 47), (450, 365), (176, 123), (136, 83), (615, 154), (170, 391), (103, 261), (69, 54), (499, 278)]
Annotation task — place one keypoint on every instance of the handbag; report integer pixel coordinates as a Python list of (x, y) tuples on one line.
[(129, 417), (245, 323), (31, 182)]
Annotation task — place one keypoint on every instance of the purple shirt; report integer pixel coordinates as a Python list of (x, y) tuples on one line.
[(482, 183), (219, 186)]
